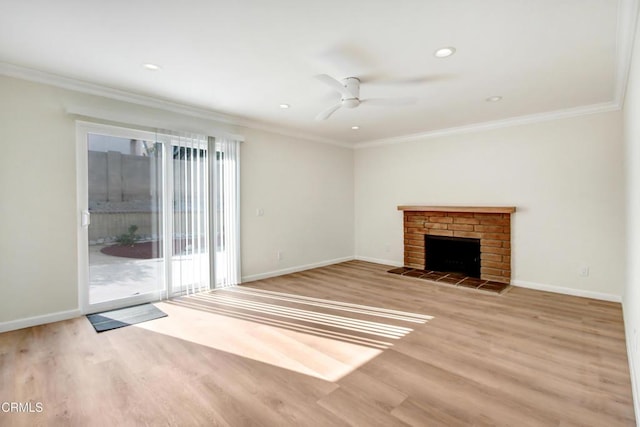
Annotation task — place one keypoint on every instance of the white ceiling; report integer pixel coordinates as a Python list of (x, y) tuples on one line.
[(246, 57)]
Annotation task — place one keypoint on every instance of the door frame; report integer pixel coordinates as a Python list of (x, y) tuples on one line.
[(83, 128)]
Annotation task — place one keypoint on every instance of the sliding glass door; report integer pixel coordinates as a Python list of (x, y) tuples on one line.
[(145, 215)]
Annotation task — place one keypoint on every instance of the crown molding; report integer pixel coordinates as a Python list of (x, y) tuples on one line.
[(626, 28), (497, 124), (628, 11), (36, 76), (295, 134)]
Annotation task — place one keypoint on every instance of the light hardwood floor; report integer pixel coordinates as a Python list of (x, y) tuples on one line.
[(347, 344)]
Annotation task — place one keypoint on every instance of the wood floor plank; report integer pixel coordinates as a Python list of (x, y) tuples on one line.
[(422, 414), (341, 403), (378, 393), (457, 395), (346, 344)]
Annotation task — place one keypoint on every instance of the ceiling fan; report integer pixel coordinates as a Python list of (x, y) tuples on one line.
[(349, 90)]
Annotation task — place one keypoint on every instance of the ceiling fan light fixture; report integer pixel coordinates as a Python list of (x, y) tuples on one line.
[(444, 52), (355, 127), (494, 99), (284, 106)]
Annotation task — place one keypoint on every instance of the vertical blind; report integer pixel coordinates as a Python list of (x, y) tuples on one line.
[(225, 181), (205, 251)]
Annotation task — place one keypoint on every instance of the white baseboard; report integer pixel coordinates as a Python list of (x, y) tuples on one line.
[(295, 269), (379, 261), (521, 283), (567, 291), (12, 325), (635, 386)]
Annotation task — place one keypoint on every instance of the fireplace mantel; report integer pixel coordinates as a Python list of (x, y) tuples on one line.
[(473, 209)]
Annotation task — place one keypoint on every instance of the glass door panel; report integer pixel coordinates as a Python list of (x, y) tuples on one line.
[(125, 232)]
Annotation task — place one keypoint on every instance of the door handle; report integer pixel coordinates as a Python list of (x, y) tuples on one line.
[(85, 218)]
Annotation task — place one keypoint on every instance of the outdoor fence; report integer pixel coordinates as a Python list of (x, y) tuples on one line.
[(125, 190)]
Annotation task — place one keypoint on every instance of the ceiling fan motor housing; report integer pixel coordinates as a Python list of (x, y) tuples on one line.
[(350, 103), (353, 86)]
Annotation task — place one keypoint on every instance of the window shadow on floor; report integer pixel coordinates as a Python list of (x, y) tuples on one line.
[(374, 327)]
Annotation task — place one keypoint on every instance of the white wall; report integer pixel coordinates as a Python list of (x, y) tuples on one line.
[(306, 193), (564, 176), (631, 299), (37, 203), (305, 189)]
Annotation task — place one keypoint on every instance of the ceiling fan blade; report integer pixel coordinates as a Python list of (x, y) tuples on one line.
[(374, 78), (389, 102), (385, 79), (328, 112), (349, 59), (335, 85)]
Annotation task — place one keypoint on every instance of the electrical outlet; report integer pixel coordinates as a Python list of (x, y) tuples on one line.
[(260, 212), (279, 255)]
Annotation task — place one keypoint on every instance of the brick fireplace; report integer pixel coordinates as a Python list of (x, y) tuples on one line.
[(491, 225)]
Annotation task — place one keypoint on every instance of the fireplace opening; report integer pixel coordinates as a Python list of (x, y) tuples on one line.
[(452, 254)]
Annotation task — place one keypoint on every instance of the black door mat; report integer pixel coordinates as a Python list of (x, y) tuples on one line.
[(119, 318)]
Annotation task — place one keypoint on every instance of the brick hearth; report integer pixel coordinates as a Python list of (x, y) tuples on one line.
[(492, 225)]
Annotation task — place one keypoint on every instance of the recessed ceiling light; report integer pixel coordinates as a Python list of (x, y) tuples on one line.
[(151, 67), (444, 52), (355, 127), (494, 99), (284, 106)]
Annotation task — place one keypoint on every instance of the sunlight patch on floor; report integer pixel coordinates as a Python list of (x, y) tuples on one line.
[(312, 336)]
